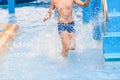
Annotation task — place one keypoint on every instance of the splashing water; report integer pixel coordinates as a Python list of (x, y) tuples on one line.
[(33, 54)]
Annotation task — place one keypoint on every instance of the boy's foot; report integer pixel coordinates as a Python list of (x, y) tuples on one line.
[(64, 55), (72, 45), (61, 58)]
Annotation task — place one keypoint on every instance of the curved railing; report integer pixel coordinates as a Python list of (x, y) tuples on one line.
[(105, 14)]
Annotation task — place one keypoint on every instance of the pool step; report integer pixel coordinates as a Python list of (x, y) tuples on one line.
[(111, 46), (112, 57), (7, 32), (113, 22), (113, 6)]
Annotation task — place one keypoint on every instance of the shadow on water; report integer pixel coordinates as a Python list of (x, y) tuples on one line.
[(12, 18)]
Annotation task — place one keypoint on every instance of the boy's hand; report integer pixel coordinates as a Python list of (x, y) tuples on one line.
[(46, 17)]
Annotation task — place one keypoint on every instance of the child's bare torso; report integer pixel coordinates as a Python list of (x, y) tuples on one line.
[(64, 8)]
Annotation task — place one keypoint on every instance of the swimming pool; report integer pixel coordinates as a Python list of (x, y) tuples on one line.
[(33, 54)]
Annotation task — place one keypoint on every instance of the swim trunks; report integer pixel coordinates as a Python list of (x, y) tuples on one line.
[(66, 27)]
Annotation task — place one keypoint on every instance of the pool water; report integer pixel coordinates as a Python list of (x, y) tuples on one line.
[(33, 54)]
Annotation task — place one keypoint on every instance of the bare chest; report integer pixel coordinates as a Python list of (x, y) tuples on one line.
[(63, 4)]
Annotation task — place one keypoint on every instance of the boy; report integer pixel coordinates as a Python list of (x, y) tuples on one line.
[(65, 22)]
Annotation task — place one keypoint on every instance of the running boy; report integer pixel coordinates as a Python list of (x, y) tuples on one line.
[(65, 22)]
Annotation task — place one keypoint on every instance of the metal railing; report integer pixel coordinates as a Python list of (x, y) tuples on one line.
[(105, 14)]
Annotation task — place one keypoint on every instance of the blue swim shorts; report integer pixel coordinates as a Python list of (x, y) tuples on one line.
[(66, 27)]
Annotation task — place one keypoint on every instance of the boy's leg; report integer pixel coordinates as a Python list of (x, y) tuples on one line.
[(65, 38), (72, 41)]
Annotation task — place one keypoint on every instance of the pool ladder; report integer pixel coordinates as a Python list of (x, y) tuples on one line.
[(111, 30), (105, 14)]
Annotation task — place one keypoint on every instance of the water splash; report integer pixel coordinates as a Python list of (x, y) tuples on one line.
[(34, 52)]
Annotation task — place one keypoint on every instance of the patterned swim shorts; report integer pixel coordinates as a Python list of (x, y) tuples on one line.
[(66, 27)]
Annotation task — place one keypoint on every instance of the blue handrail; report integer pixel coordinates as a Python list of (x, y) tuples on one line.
[(11, 6)]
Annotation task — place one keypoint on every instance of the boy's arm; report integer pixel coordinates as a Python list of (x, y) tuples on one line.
[(79, 2), (48, 15)]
